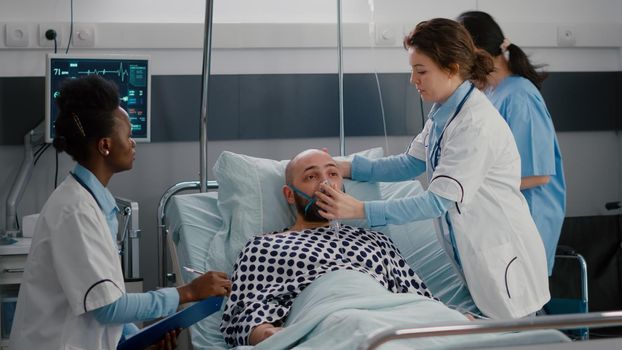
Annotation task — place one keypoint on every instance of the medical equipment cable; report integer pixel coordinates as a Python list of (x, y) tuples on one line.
[(51, 34), (17, 220), (127, 212), (422, 114), (334, 225), (38, 153), (384, 120), (70, 26), (56, 172), (372, 31)]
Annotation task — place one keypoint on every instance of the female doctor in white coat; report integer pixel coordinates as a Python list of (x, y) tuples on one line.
[(473, 168), (72, 295)]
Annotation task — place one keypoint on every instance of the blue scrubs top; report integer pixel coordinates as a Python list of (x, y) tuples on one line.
[(521, 105)]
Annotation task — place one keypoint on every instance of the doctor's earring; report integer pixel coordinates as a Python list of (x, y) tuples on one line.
[(106, 152)]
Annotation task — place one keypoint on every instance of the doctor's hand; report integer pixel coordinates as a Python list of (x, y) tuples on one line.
[(345, 168), (207, 285), (335, 204)]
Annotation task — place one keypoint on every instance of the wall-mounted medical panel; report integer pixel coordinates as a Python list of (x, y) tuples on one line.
[(293, 35)]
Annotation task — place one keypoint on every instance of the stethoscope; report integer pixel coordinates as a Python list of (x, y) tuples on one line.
[(126, 212), (435, 155)]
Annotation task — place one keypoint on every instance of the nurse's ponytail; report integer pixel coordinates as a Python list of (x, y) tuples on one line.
[(449, 44), (520, 65), (482, 66), (487, 35)]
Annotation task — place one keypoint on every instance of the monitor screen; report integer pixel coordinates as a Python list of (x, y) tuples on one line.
[(130, 74)]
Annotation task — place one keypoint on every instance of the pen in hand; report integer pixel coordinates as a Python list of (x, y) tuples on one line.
[(189, 269)]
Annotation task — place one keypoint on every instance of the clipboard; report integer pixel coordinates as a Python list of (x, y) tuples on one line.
[(181, 319)]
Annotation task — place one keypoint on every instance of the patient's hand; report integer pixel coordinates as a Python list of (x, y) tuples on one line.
[(168, 342), (207, 285), (262, 332)]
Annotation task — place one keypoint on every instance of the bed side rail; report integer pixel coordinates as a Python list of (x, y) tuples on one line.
[(568, 321), (164, 275)]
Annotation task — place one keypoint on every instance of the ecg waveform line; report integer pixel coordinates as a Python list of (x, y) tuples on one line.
[(119, 72)]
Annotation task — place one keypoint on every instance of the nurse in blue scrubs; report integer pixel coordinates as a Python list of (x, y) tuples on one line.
[(513, 88)]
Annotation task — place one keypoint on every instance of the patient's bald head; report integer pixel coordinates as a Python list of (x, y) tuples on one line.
[(306, 160), (303, 176)]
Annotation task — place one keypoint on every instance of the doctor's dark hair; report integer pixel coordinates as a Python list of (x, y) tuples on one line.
[(448, 43), (487, 35), (86, 114)]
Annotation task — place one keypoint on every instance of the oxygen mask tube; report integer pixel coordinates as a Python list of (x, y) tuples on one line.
[(372, 46), (334, 224)]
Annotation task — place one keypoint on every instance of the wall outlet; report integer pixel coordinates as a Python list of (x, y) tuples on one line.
[(44, 27), (83, 35), (385, 35), (566, 36), (17, 35)]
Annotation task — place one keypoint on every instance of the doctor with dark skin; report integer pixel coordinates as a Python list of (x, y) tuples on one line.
[(73, 294)]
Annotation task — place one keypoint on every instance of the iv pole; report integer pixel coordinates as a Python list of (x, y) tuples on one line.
[(205, 76), (342, 138)]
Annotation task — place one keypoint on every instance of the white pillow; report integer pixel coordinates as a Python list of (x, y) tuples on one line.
[(251, 201)]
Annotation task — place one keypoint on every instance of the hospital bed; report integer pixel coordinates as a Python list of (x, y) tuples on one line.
[(206, 231)]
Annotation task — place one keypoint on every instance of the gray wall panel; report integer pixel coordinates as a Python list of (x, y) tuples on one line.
[(584, 101), (363, 110), (22, 107), (288, 106), (176, 106), (283, 106)]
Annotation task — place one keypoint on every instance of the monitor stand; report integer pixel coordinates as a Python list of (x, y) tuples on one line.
[(32, 138)]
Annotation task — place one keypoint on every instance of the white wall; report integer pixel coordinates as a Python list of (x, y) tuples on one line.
[(298, 36)]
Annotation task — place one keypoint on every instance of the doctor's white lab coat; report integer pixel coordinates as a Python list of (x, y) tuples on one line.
[(73, 268), (499, 249)]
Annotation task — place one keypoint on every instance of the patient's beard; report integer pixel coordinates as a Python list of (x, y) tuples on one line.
[(312, 214)]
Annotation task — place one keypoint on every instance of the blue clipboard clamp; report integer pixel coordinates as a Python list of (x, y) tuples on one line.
[(181, 319)]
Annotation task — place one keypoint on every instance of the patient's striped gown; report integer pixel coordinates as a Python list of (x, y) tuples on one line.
[(273, 269)]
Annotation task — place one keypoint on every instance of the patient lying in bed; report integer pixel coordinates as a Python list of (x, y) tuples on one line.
[(274, 268)]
